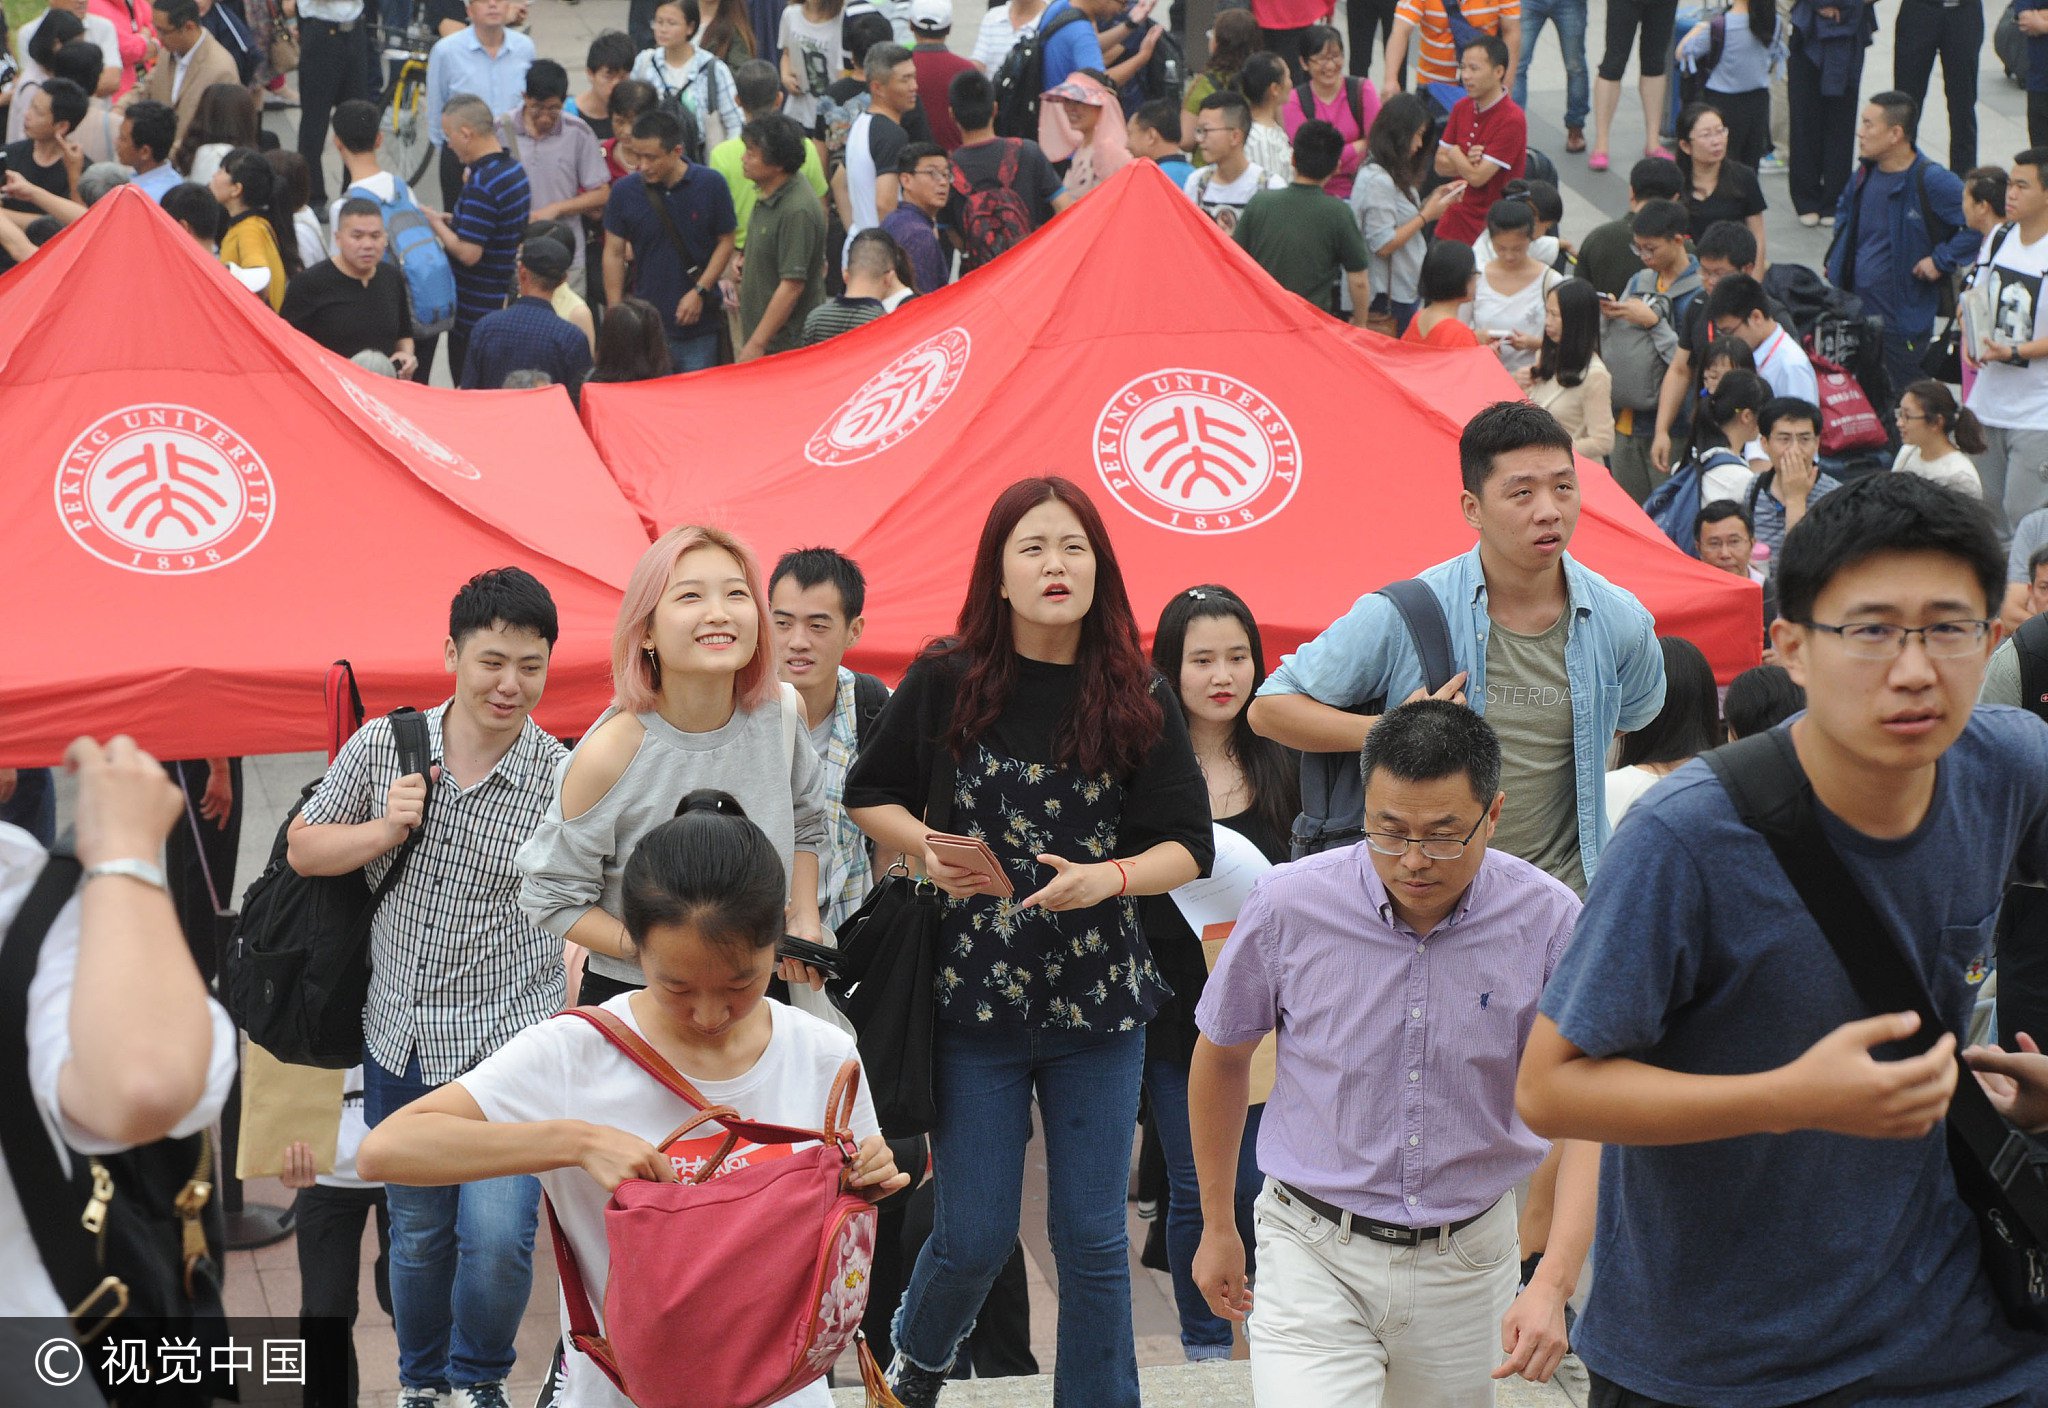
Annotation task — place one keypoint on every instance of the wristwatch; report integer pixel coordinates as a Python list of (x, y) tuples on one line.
[(142, 870)]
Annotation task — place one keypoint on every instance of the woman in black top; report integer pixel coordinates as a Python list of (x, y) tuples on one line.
[(1069, 758), (1208, 645), (1715, 187)]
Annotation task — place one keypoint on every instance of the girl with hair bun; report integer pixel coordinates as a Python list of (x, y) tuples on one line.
[(1938, 437), (702, 899)]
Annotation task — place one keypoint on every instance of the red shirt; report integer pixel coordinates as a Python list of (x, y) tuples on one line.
[(1504, 131), (936, 68)]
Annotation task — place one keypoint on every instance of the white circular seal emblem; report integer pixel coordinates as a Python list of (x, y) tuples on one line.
[(1196, 452), (901, 397), (399, 428), (164, 489)]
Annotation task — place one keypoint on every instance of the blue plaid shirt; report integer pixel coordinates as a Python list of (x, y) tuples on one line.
[(528, 336)]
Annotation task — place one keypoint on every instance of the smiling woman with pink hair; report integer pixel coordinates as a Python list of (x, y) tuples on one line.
[(695, 704), (1082, 122)]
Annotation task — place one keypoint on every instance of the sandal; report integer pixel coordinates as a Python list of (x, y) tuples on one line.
[(1597, 161), (1575, 139)]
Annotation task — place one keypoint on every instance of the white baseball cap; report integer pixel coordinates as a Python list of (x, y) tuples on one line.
[(931, 16)]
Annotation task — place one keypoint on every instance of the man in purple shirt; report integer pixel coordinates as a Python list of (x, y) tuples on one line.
[(926, 173), (1402, 976)]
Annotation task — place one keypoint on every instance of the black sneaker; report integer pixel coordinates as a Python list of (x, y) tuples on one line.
[(914, 1387)]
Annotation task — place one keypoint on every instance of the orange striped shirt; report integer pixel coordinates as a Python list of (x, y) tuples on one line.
[(1436, 57)]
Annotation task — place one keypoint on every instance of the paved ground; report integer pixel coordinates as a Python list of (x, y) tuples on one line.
[(266, 1281)]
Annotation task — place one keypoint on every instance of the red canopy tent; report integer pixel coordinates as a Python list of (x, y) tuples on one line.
[(1230, 432), (202, 509)]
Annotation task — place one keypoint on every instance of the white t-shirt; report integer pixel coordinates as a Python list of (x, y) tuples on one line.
[(382, 186), (349, 1139), (565, 1069), (1626, 787), (26, 1288), (2014, 398), (996, 37), (1954, 470), (1785, 367), (1223, 201), (1492, 311), (815, 52)]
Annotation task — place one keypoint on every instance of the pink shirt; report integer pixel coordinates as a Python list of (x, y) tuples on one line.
[(135, 33), (1336, 112), (1292, 14)]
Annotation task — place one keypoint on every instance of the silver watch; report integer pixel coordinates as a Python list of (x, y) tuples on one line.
[(142, 870)]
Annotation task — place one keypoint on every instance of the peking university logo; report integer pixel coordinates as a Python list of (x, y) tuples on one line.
[(399, 428), (1196, 452), (897, 400), (164, 489)]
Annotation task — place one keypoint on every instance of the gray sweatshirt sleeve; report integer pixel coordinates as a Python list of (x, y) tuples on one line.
[(562, 866), (807, 792)]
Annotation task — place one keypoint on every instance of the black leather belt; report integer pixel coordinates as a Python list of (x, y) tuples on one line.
[(347, 27), (1378, 1231)]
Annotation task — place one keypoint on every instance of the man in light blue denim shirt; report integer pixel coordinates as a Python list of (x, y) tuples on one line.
[(1557, 658)]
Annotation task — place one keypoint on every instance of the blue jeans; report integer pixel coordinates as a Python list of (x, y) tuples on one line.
[(1570, 18), (1166, 1086), (461, 1259), (695, 354), (1087, 1088)]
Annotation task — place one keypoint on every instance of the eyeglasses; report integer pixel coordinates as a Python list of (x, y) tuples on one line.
[(1909, 415), (1700, 132), (1201, 132), (934, 173), (1433, 848), (1646, 251), (1873, 640), (1327, 58)]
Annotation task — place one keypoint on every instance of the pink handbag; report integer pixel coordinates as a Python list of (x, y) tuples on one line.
[(732, 1289)]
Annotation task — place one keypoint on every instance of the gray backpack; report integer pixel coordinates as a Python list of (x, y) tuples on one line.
[(1332, 786)]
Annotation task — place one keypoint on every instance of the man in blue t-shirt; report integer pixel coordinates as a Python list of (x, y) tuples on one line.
[(680, 247), (1079, 44), (1778, 1219)]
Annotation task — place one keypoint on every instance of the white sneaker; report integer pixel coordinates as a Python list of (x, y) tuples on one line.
[(1771, 165), (423, 1398), (481, 1396)]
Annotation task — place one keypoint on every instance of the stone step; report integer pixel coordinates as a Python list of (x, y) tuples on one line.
[(1226, 1385)]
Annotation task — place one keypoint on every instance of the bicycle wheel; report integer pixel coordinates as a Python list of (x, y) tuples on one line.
[(407, 150)]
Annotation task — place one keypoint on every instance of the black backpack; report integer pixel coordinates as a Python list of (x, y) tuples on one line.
[(128, 1239), (1332, 787), (2022, 940), (1020, 81), (993, 217), (296, 973)]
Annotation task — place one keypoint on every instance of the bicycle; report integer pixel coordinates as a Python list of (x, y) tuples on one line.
[(408, 147)]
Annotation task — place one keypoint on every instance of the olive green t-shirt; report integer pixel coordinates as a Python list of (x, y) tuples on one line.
[(1529, 704), (1305, 238), (785, 240)]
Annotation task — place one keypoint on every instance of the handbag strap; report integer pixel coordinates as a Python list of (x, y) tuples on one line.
[(1771, 793), (52, 1199), (583, 1333), (659, 200), (640, 1053)]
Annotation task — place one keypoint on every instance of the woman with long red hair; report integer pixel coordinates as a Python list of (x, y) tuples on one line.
[(695, 704), (1069, 758)]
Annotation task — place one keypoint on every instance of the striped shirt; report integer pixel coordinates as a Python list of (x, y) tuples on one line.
[(491, 211), (1394, 1087), (1436, 53), (455, 967)]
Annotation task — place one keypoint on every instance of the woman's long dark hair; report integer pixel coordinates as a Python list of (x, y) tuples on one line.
[(1689, 118), (1393, 133), (631, 344), (1272, 773), (1739, 391), (1690, 721), (252, 173), (1116, 720), (1565, 358), (225, 113), (727, 28), (711, 868)]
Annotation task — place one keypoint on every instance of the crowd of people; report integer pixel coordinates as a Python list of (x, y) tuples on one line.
[(1442, 1108)]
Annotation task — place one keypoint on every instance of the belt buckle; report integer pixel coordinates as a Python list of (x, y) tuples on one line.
[(1395, 1236)]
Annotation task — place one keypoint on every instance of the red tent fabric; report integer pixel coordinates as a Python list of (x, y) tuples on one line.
[(1229, 431), (202, 509)]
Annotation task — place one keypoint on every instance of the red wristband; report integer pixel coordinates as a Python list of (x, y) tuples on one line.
[(1123, 877)]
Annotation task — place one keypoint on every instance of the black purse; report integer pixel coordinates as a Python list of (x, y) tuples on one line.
[(2000, 1171), (889, 953), (1943, 359), (129, 1238)]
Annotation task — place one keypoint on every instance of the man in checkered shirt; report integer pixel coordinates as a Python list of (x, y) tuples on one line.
[(455, 968)]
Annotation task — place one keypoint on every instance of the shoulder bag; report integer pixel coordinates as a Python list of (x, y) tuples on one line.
[(889, 953), (2000, 1171), (126, 1238), (762, 1272)]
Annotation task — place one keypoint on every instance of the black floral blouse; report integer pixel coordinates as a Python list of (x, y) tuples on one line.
[(1081, 970)]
